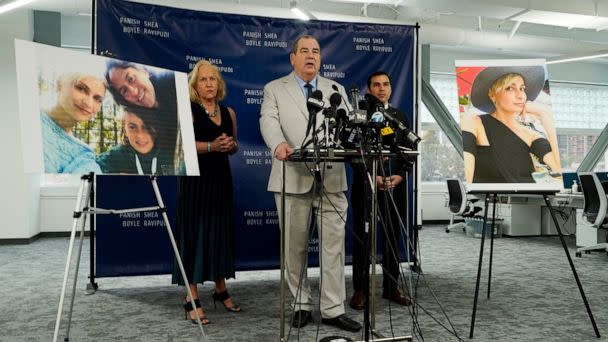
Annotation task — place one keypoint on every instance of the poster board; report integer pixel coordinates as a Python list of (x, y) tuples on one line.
[(508, 126), (73, 122)]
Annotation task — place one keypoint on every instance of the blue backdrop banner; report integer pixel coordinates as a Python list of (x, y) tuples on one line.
[(249, 51)]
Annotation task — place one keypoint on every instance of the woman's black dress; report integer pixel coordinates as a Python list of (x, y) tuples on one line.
[(204, 208), (507, 159)]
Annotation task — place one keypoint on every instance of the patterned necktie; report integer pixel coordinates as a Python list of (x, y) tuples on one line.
[(308, 87)]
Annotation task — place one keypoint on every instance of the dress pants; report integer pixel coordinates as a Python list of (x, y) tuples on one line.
[(390, 235), (331, 211)]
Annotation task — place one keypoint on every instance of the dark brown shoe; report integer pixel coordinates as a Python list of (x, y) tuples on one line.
[(398, 298), (357, 302)]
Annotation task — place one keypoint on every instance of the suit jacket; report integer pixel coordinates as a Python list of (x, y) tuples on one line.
[(399, 165), (284, 118)]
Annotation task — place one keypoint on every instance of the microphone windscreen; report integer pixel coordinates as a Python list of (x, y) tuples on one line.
[(317, 94), (363, 105), (372, 100), (335, 99)]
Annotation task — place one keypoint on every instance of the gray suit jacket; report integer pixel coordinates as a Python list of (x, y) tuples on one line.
[(283, 118)]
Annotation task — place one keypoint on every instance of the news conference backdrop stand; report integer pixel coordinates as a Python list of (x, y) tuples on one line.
[(81, 211), (237, 43), (494, 195)]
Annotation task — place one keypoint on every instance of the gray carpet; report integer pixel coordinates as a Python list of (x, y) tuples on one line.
[(534, 297)]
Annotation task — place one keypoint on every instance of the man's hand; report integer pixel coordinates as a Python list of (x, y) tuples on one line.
[(388, 182), (283, 151)]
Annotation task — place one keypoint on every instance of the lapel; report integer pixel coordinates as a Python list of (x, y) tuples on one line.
[(293, 89)]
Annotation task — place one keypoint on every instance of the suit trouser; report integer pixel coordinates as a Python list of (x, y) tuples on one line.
[(391, 231), (331, 214)]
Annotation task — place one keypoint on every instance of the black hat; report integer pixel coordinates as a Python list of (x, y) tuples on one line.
[(534, 78)]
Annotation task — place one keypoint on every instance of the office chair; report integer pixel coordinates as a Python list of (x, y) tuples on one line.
[(596, 207), (459, 204)]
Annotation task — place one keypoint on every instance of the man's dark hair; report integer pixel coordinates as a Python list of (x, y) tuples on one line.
[(377, 73), (294, 47), (119, 64)]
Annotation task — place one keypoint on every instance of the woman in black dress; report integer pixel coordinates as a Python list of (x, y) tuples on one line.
[(204, 209), (498, 148)]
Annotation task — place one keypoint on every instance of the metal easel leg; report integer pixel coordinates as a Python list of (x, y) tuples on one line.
[(483, 238), (163, 211), (282, 258), (77, 214), (77, 265), (491, 243), (92, 286), (578, 282)]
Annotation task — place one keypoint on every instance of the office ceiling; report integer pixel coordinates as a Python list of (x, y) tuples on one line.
[(527, 28)]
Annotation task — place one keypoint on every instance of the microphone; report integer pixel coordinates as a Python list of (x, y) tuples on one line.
[(373, 101), (314, 104), (409, 135), (354, 94), (348, 104), (335, 99), (341, 116)]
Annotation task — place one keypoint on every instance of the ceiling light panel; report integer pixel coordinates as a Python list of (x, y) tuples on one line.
[(383, 2), (564, 19)]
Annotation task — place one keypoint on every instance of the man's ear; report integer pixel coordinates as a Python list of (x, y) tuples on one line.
[(292, 58)]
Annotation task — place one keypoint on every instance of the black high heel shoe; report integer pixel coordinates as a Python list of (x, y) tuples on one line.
[(222, 297), (188, 309)]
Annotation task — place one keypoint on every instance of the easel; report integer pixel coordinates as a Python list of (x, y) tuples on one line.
[(545, 195), (84, 195)]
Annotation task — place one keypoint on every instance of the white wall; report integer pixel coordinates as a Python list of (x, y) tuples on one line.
[(19, 194)]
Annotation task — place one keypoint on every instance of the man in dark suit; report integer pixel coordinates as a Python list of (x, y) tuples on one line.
[(283, 121), (379, 85)]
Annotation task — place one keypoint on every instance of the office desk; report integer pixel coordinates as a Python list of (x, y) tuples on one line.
[(527, 215)]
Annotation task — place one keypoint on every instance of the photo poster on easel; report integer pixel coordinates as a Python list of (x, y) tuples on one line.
[(508, 126), (73, 122)]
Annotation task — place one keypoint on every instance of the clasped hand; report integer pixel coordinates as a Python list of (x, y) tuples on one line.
[(388, 182), (223, 143)]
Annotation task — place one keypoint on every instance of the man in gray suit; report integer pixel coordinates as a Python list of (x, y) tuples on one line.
[(283, 121)]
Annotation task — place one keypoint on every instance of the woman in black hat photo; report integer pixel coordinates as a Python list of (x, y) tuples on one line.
[(501, 146)]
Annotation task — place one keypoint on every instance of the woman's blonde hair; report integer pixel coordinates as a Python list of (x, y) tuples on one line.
[(71, 78), (192, 78), (501, 83)]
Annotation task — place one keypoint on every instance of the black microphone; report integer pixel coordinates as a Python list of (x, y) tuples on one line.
[(335, 88), (411, 137), (354, 94), (373, 101), (314, 104), (335, 99), (341, 117)]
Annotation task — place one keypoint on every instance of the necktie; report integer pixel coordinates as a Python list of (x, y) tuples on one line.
[(308, 87)]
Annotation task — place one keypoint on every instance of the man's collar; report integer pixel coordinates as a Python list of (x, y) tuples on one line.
[(301, 82)]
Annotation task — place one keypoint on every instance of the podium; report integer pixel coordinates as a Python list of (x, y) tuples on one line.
[(341, 155)]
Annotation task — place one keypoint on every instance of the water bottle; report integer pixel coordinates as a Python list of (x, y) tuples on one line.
[(574, 186)]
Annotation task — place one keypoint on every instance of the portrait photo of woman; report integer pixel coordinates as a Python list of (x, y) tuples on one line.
[(79, 98), (508, 132)]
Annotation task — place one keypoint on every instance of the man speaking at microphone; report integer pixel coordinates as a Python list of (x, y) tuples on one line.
[(288, 106), (379, 85)]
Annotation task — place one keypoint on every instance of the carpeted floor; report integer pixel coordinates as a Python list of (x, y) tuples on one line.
[(534, 298)]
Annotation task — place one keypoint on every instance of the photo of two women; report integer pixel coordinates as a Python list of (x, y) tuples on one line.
[(110, 117)]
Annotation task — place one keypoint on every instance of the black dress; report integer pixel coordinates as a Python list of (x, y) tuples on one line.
[(204, 208), (507, 159)]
